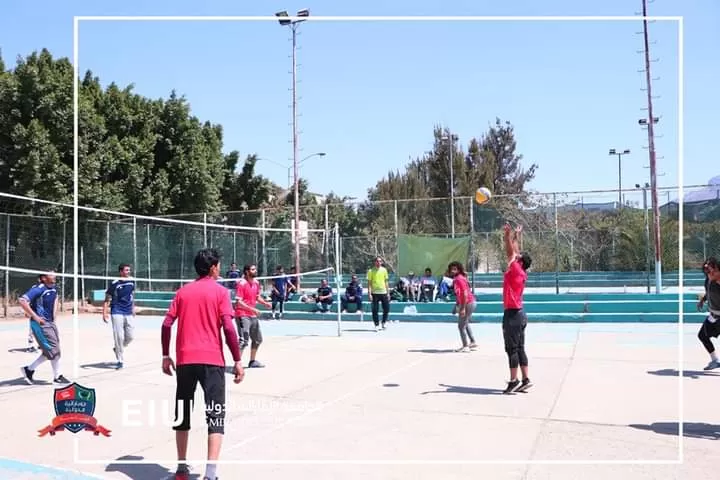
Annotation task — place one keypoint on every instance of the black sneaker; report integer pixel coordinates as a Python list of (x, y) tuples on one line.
[(524, 385), (27, 374), (255, 364), (61, 380), (511, 386), (118, 365)]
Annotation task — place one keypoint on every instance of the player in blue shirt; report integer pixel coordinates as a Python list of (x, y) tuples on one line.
[(40, 304), (232, 273), (278, 294), (120, 301)]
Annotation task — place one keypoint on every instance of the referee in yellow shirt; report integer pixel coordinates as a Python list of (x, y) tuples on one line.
[(379, 292)]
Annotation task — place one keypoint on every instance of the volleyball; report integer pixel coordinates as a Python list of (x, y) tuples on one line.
[(482, 195)]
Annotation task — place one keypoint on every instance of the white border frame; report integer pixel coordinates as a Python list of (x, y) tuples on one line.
[(680, 158)]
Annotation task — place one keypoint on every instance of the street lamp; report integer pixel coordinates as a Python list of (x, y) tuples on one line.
[(647, 232), (452, 139), (284, 21), (619, 155), (318, 154)]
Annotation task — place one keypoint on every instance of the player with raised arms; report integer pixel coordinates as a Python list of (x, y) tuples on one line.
[(514, 317)]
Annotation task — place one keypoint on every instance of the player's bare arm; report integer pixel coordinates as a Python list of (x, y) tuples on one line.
[(106, 308)]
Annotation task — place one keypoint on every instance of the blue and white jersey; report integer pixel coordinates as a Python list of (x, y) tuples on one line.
[(41, 299), (122, 297)]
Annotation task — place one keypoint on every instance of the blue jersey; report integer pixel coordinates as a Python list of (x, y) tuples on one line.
[(280, 284), (42, 301), (232, 274), (122, 295)]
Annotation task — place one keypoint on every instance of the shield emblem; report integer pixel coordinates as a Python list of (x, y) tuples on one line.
[(75, 399)]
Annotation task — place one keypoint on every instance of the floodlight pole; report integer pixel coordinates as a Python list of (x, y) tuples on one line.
[(284, 21), (452, 139), (651, 151), (619, 155)]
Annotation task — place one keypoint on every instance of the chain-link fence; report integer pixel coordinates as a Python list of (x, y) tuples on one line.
[(564, 232)]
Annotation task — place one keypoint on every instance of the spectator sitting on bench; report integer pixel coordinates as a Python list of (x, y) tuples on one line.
[(324, 299), (353, 294), (446, 284), (427, 287)]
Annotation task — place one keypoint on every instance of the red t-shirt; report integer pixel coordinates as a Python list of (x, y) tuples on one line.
[(513, 286), (202, 308), (463, 292), (248, 292)]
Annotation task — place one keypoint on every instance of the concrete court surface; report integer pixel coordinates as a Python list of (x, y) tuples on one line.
[(602, 392)]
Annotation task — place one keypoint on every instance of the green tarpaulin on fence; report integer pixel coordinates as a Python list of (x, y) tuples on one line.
[(417, 253)]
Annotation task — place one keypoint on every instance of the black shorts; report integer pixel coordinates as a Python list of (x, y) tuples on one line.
[(249, 329), (514, 323), (712, 329), (212, 382)]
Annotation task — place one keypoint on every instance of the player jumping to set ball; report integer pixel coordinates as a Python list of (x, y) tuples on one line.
[(711, 326), (119, 300), (514, 318), (40, 304)]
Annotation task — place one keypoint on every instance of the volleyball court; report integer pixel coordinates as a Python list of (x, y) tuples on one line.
[(398, 396)]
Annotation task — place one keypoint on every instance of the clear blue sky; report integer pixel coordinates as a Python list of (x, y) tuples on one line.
[(372, 92)]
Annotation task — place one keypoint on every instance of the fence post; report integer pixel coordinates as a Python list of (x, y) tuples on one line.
[(397, 236), (149, 268), (262, 240), (107, 252), (82, 273), (557, 247), (473, 259), (234, 246), (205, 242), (182, 257), (135, 258), (327, 236), (62, 284), (7, 264)]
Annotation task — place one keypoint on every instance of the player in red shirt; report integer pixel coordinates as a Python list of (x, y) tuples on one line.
[(247, 294), (202, 309), (514, 318), (464, 305)]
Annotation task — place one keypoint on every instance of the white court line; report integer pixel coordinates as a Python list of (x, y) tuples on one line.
[(681, 233)]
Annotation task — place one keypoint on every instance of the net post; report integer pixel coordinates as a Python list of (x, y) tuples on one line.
[(473, 260), (7, 264), (182, 257), (338, 279)]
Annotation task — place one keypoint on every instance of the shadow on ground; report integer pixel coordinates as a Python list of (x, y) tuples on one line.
[(150, 471), (461, 389), (671, 372), (703, 431), (432, 350), (101, 365), (21, 381)]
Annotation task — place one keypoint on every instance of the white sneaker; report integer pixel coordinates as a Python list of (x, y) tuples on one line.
[(712, 365)]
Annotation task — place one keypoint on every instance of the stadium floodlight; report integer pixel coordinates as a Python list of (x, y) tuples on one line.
[(283, 18), (619, 154)]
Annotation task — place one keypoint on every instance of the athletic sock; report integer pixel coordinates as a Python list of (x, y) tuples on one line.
[(33, 366), (55, 362), (714, 357), (211, 471)]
